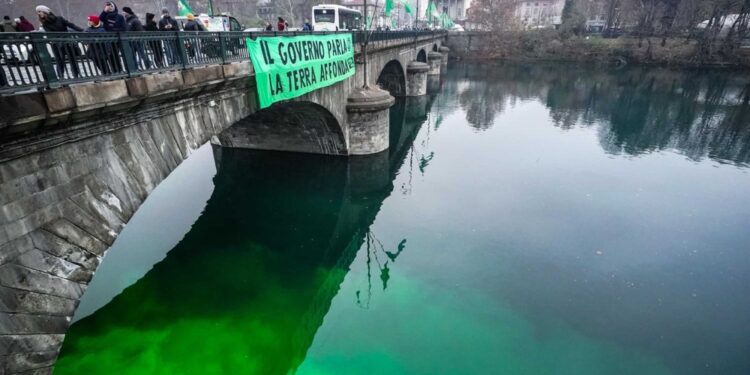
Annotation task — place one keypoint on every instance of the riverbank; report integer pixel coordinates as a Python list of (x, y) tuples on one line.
[(547, 45)]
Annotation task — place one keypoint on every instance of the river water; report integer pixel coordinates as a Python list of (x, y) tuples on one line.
[(527, 219)]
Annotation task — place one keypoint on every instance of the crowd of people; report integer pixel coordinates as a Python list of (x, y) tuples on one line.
[(107, 57)]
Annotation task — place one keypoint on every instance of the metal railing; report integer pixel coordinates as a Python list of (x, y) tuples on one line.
[(41, 60)]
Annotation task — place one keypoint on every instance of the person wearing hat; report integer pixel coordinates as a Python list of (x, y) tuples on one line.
[(167, 23), (154, 45), (8, 25), (137, 47), (61, 50), (112, 20), (99, 53), (192, 25)]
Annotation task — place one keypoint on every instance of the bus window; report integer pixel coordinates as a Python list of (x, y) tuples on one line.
[(324, 15), (234, 25), (346, 20)]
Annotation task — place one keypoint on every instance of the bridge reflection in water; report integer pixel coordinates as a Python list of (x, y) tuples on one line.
[(247, 288)]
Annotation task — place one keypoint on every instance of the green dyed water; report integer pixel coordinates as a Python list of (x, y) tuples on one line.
[(542, 219)]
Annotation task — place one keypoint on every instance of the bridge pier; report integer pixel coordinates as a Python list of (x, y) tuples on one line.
[(435, 59), (367, 116), (416, 78), (444, 52)]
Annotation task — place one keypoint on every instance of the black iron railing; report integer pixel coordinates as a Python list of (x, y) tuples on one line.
[(38, 61)]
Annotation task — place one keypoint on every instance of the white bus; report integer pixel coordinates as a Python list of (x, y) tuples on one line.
[(327, 17)]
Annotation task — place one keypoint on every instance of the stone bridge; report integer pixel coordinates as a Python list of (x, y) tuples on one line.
[(77, 161)]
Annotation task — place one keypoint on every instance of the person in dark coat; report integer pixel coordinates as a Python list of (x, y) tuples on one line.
[(192, 44), (137, 47), (154, 45), (167, 23), (269, 27), (25, 25), (99, 52), (112, 19), (193, 24), (61, 50), (8, 25)]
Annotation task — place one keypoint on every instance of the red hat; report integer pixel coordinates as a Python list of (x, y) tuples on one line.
[(94, 19)]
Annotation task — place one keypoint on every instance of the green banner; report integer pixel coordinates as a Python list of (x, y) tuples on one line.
[(287, 67)]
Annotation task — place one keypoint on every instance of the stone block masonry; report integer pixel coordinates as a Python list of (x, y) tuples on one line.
[(64, 200)]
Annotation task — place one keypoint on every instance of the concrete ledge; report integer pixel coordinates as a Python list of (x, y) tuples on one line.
[(417, 67), (59, 100), (98, 94), (164, 82), (27, 107), (192, 77), (371, 100), (434, 56), (238, 70), (137, 87)]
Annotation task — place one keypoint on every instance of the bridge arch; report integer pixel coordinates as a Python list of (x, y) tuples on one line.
[(435, 47), (422, 56), (393, 79), (296, 126)]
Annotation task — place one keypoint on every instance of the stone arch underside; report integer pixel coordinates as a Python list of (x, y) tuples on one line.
[(435, 47), (291, 126), (392, 78), (422, 56)]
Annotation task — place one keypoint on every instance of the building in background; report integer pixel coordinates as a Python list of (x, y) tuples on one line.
[(372, 9), (266, 10), (540, 14)]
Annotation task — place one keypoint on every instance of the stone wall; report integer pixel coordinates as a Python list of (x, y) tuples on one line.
[(62, 205), (547, 45)]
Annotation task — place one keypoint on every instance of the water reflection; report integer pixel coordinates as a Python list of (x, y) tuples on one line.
[(519, 248), (635, 110), (247, 288)]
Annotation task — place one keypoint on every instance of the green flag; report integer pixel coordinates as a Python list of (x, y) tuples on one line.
[(287, 67), (388, 7), (183, 9), (431, 12), (407, 6)]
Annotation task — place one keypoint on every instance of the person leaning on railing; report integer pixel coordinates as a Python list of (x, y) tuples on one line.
[(61, 50)]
